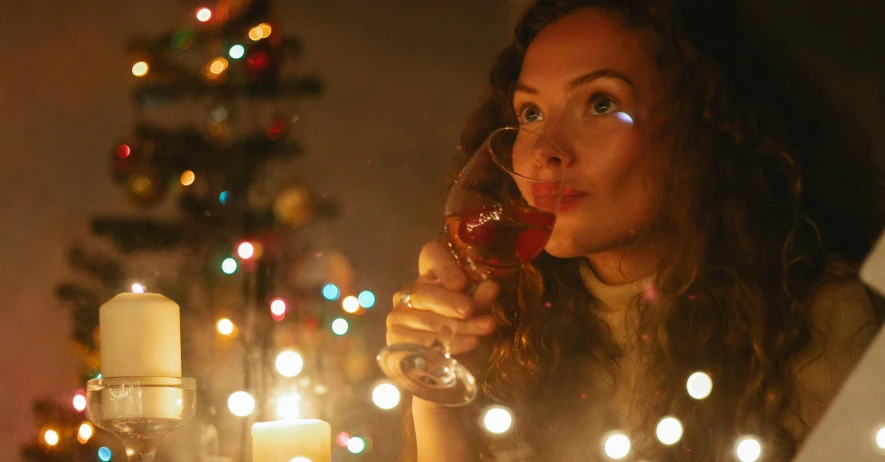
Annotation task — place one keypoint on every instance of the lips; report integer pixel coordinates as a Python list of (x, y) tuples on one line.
[(545, 197)]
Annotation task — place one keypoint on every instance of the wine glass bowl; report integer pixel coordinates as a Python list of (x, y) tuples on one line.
[(141, 410), (498, 216)]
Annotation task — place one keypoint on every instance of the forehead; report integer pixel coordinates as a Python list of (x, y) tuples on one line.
[(584, 41)]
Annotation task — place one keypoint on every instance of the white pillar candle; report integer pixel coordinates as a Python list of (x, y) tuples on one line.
[(284, 440), (140, 336)]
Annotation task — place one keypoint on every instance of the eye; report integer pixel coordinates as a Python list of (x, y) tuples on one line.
[(528, 113), (602, 105)]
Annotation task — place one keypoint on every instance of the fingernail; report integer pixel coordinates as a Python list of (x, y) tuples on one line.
[(462, 308)]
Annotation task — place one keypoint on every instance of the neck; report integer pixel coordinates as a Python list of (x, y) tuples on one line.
[(626, 264)]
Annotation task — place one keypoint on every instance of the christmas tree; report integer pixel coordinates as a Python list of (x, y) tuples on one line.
[(223, 230)]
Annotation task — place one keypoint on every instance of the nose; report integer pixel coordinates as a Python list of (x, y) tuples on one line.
[(553, 146)]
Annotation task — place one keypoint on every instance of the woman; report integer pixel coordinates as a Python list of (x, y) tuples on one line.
[(719, 231)]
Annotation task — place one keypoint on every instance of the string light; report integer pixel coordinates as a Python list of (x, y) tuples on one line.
[(880, 438), (140, 69), (104, 454), (366, 299), (225, 326), (497, 420), (222, 197), (137, 288), (340, 326), (617, 445), (342, 439), (356, 445), (350, 304), (236, 51), (289, 363), (229, 266), (79, 402), (245, 250), (300, 459), (256, 34), (331, 292), (386, 396), (241, 403), (699, 385), (203, 14), (123, 151), (748, 449), (265, 29), (669, 430), (218, 65), (50, 437), (187, 178), (278, 307), (85, 433)]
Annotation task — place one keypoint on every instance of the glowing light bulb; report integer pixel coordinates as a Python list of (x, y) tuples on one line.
[(331, 292), (497, 420), (222, 197), (265, 29), (203, 14), (79, 402), (880, 438), (699, 385), (123, 151), (385, 396), (356, 445), (278, 307), (236, 51), (229, 266), (256, 34), (340, 326), (669, 430), (289, 363), (85, 433), (217, 66), (245, 250), (617, 445), (366, 299), (50, 437), (241, 403), (225, 326), (140, 69), (289, 406), (300, 459), (187, 178), (748, 449), (104, 454), (137, 288), (350, 304)]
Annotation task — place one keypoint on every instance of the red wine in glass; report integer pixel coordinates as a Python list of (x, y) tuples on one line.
[(499, 215)]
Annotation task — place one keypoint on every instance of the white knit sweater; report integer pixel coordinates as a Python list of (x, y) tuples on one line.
[(843, 317)]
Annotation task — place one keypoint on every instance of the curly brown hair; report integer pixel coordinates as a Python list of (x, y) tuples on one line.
[(791, 187)]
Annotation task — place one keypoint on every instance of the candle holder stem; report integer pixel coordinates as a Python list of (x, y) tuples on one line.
[(140, 449)]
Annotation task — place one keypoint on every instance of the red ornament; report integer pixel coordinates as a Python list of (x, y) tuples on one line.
[(123, 151)]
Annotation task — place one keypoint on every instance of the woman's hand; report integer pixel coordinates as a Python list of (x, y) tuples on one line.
[(436, 302)]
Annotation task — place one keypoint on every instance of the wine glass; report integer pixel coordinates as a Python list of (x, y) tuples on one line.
[(499, 215), (141, 410)]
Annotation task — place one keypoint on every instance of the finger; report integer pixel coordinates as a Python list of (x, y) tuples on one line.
[(436, 298), (485, 293), (459, 344), (432, 322), (436, 259)]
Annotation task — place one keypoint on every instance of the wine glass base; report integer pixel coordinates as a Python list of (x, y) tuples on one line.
[(429, 374)]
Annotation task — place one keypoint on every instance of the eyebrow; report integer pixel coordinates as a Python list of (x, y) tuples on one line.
[(582, 80)]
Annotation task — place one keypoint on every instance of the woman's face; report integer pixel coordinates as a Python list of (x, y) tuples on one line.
[(589, 85)]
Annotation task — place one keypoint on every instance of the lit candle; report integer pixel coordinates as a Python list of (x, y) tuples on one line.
[(140, 336), (284, 440)]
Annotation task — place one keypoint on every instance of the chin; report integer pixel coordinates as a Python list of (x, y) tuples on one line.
[(564, 247)]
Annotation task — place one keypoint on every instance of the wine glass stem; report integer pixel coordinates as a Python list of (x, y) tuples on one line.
[(140, 450)]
